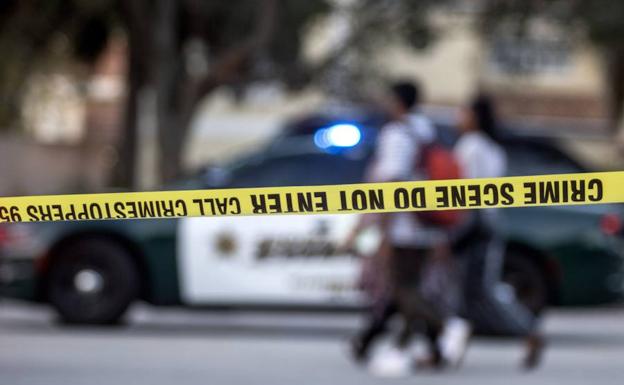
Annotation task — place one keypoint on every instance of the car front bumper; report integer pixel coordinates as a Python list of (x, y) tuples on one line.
[(18, 278)]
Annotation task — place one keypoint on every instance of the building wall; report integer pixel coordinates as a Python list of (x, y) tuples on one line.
[(447, 70), (461, 62), (30, 167)]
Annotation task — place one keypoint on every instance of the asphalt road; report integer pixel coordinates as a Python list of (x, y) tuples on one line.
[(175, 346)]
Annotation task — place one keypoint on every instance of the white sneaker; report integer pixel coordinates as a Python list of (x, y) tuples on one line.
[(454, 340), (391, 362)]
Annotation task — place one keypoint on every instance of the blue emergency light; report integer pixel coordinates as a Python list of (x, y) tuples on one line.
[(338, 135)]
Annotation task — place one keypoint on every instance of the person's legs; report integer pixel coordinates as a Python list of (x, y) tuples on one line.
[(413, 307), (485, 307), (511, 311), (441, 287), (432, 332), (405, 336), (376, 326)]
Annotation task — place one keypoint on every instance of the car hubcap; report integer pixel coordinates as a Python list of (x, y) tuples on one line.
[(88, 281)]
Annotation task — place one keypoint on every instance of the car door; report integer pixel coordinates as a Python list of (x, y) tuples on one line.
[(287, 260)]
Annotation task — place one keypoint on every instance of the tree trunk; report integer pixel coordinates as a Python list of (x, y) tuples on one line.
[(135, 14), (178, 94), (615, 87), (168, 79), (124, 171)]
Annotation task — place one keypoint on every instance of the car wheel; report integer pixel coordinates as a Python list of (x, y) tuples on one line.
[(525, 277), (92, 281)]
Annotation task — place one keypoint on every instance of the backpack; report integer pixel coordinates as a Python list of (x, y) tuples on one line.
[(438, 163)]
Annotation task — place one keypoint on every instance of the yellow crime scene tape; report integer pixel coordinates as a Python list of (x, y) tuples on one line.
[(522, 191)]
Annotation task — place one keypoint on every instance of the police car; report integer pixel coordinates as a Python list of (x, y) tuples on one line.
[(90, 272)]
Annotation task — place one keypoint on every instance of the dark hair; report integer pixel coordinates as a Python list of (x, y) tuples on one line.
[(484, 112), (408, 93)]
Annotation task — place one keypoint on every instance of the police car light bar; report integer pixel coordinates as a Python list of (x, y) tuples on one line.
[(338, 135)]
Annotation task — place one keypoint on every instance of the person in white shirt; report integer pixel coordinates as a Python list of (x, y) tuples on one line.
[(400, 142), (480, 248), (409, 244)]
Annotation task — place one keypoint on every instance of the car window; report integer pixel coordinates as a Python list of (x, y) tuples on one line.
[(299, 170), (534, 159), (331, 169)]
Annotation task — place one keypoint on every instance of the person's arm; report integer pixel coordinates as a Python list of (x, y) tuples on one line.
[(364, 222), (468, 156)]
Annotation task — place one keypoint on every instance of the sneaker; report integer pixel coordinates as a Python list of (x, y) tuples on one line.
[(454, 341), (391, 362)]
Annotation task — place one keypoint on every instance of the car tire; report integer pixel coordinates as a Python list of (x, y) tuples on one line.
[(525, 276), (92, 281)]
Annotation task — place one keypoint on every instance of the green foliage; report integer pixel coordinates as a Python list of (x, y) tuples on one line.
[(598, 21), (293, 19), (36, 35), (603, 20), (184, 49), (409, 22)]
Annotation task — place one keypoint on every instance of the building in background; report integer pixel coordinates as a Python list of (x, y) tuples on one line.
[(545, 75), (546, 79)]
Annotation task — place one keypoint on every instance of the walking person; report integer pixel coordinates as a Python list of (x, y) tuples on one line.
[(481, 248), (411, 243), (375, 284)]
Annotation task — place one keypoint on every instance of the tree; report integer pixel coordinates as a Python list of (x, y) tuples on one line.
[(30, 33), (185, 49), (180, 51), (237, 42), (598, 22)]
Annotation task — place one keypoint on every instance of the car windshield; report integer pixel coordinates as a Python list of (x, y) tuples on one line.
[(528, 158), (296, 161)]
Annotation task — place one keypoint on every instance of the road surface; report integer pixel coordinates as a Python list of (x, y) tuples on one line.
[(177, 346)]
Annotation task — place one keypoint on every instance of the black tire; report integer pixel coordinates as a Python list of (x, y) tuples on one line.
[(92, 281), (527, 279)]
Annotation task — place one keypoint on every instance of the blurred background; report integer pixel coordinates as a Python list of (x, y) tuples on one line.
[(135, 95), (138, 92)]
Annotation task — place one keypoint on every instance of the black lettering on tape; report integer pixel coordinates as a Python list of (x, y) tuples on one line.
[(401, 198), (258, 202), (321, 203), (10, 214), (596, 186), (506, 191), (442, 197), (530, 196)]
